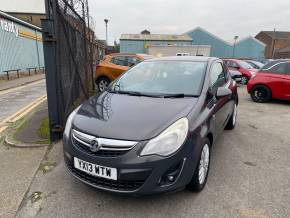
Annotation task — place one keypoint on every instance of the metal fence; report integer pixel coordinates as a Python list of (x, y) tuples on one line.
[(69, 53)]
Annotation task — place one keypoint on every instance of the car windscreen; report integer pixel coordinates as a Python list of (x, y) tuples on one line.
[(163, 78), (245, 65), (259, 64)]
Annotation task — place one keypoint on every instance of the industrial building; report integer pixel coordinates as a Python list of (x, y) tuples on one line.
[(20, 44), (248, 47)]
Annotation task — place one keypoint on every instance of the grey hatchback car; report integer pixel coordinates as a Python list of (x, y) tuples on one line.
[(152, 130)]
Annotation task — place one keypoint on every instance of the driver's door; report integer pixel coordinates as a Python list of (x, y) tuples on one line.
[(218, 78)]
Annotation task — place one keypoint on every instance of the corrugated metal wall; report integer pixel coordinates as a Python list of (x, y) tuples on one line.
[(22, 51), (245, 48), (219, 48), (250, 48)]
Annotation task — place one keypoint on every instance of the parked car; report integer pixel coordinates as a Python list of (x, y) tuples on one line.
[(236, 75), (147, 133), (272, 81), (114, 65), (245, 69), (255, 64), (266, 61)]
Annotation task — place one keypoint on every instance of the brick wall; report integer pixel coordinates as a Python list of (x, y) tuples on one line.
[(34, 19), (278, 44)]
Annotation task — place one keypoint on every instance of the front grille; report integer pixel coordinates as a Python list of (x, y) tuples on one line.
[(107, 147), (119, 185), (102, 153)]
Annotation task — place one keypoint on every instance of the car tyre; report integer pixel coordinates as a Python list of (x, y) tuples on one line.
[(261, 94), (233, 119), (102, 83), (244, 80), (199, 178)]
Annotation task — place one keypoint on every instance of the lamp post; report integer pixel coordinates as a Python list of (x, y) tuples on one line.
[(106, 23), (234, 49)]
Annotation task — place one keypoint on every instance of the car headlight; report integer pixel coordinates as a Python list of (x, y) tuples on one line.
[(69, 122), (253, 74), (169, 141)]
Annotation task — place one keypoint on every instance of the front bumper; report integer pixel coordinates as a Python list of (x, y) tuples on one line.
[(138, 175)]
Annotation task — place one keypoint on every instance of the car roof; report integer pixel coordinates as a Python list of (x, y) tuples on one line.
[(230, 59), (184, 58), (279, 60)]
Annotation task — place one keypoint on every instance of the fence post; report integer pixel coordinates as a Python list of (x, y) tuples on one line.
[(49, 47)]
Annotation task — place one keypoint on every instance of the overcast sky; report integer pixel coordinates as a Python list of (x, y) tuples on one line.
[(225, 18)]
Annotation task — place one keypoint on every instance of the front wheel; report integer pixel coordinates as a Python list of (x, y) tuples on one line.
[(244, 80), (102, 83), (199, 179), (261, 94)]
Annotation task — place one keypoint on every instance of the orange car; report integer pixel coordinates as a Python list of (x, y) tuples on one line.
[(114, 65)]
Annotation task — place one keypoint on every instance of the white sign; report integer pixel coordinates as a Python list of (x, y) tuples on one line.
[(9, 27)]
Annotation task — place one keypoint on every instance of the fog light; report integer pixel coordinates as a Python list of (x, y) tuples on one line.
[(170, 178), (171, 174)]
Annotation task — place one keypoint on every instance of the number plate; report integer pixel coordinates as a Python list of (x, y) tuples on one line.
[(95, 170)]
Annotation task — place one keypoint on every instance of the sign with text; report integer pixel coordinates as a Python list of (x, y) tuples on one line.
[(9, 27)]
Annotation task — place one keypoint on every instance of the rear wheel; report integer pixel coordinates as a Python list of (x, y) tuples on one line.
[(199, 179), (261, 94), (244, 80), (102, 83)]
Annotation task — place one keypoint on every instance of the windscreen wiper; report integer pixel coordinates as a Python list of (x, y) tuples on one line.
[(133, 93), (179, 95)]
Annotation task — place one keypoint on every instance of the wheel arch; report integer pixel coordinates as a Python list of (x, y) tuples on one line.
[(102, 76)]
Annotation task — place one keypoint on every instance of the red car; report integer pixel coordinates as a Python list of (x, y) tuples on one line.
[(245, 69), (272, 81)]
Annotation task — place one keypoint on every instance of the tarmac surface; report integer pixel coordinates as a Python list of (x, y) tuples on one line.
[(249, 177), (14, 99)]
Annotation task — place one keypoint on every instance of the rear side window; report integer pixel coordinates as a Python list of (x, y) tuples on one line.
[(132, 61), (278, 68), (120, 60)]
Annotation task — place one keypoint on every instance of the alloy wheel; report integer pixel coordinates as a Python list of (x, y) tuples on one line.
[(203, 164), (235, 114), (103, 84), (260, 94)]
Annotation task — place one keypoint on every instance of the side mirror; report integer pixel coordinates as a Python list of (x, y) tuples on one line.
[(237, 67), (223, 92)]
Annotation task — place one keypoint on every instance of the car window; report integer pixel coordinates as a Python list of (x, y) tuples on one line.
[(288, 69), (120, 60), (217, 76), (244, 64), (226, 72), (232, 64), (132, 61), (278, 68)]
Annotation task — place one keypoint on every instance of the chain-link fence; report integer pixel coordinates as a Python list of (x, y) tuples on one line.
[(69, 59)]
